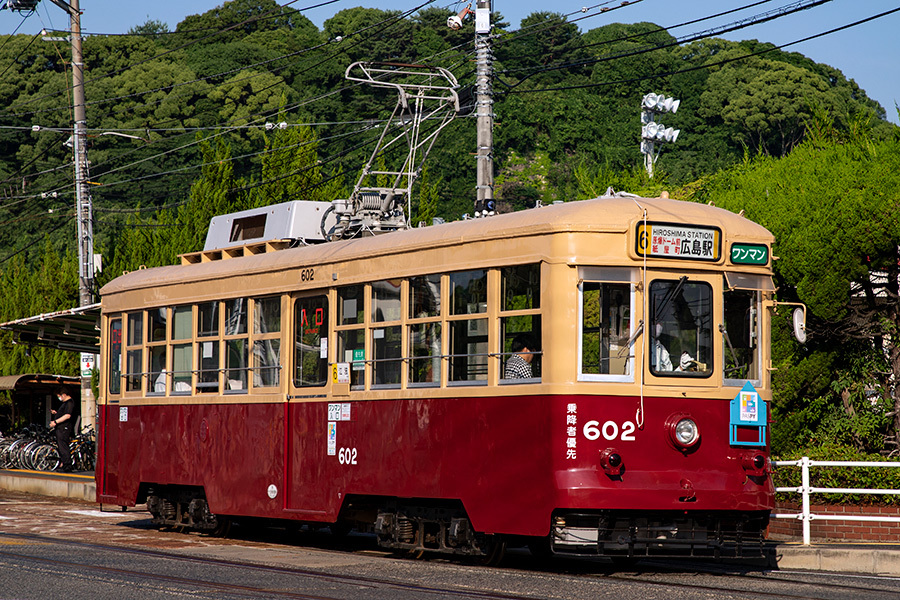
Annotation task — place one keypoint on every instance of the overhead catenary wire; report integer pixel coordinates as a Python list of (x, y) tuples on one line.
[(711, 64)]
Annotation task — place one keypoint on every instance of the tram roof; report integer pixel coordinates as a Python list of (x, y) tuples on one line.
[(610, 214)]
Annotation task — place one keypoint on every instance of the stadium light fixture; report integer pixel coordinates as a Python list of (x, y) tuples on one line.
[(654, 134)]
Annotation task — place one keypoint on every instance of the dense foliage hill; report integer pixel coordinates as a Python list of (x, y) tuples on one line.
[(178, 133)]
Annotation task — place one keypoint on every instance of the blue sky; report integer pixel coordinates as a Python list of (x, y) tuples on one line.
[(867, 53)]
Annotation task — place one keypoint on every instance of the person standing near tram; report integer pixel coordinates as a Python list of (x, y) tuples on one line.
[(63, 421)]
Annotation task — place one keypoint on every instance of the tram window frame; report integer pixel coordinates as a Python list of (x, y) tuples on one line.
[(114, 343), (265, 342), (134, 352), (520, 314), (665, 313), (236, 345), (468, 325), (739, 288), (609, 280), (299, 356), (181, 348), (208, 346), (157, 351), (424, 330), (351, 323), (386, 333)]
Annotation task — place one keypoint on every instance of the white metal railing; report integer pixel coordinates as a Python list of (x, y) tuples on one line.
[(805, 490)]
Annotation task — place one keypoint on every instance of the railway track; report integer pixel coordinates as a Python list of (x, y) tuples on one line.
[(358, 571)]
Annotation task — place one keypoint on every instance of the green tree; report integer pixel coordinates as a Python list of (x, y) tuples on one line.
[(833, 210)]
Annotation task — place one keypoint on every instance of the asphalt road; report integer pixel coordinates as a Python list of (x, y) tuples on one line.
[(56, 548)]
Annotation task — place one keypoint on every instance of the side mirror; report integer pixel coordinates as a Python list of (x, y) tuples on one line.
[(799, 320)]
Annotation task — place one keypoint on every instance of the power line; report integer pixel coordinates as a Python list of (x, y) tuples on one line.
[(37, 240), (183, 46), (390, 22), (707, 65), (798, 6)]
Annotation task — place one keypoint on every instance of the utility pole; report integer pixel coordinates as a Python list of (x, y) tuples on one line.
[(484, 106), (83, 208)]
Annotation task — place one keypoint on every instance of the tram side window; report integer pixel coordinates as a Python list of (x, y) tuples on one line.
[(352, 336), (134, 352), (741, 335), (182, 367), (425, 331), (115, 356), (681, 341), (267, 342), (236, 345), (520, 322), (386, 333), (311, 341), (208, 347), (156, 350), (468, 325), (606, 329)]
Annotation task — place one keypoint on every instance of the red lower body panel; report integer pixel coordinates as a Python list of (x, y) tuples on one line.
[(511, 461)]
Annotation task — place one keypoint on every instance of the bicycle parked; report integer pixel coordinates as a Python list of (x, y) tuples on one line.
[(34, 448)]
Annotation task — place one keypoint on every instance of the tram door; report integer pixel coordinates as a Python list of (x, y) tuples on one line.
[(306, 411), (107, 430)]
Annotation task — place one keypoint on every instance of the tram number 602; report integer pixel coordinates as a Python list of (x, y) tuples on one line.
[(609, 430), (347, 456)]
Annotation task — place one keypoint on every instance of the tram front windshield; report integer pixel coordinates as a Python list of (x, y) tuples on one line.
[(681, 341)]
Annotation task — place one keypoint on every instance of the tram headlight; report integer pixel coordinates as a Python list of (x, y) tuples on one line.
[(683, 431)]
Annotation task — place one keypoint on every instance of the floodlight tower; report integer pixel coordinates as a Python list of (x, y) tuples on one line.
[(653, 133)]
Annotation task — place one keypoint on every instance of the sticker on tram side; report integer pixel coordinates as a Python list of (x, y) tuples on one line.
[(339, 411), (340, 372), (332, 438), (123, 414)]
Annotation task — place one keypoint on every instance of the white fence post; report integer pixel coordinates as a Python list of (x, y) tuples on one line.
[(804, 486)]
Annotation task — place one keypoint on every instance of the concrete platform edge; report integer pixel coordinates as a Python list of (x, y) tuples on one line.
[(59, 485)]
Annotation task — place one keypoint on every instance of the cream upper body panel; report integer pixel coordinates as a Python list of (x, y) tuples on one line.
[(523, 236)]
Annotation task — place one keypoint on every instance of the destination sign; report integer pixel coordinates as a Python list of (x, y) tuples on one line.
[(664, 240), (749, 254)]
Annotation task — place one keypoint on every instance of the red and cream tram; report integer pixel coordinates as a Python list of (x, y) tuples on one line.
[(364, 383)]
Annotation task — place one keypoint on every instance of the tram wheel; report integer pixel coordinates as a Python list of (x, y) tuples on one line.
[(222, 528), (495, 550)]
